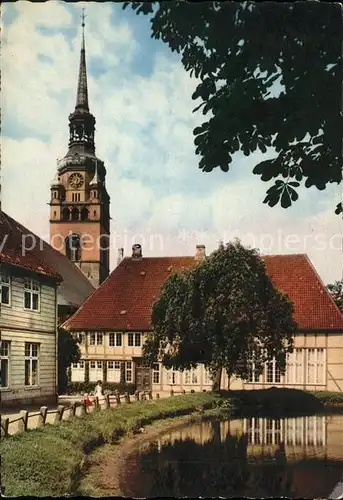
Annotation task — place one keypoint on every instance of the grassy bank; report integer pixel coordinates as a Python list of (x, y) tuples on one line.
[(47, 461)]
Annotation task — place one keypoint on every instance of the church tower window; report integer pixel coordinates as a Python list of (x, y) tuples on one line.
[(73, 247)]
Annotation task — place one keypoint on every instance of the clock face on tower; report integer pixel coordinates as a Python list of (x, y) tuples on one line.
[(76, 180)]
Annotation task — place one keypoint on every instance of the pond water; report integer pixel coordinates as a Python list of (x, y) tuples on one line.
[(255, 457)]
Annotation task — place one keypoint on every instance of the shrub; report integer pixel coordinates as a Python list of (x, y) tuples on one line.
[(83, 387), (270, 402)]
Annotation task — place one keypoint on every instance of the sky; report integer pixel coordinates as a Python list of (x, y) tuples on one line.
[(140, 95)]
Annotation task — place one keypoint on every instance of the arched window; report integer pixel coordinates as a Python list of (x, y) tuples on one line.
[(75, 215), (73, 247), (65, 214), (84, 214)]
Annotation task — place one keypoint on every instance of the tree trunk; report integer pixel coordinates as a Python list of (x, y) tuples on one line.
[(218, 379)]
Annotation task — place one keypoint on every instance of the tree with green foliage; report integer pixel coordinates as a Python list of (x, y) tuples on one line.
[(68, 353), (336, 292), (239, 51), (224, 313)]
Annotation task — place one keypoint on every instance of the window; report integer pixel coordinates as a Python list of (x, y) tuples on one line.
[(191, 376), (79, 366), (294, 367), (65, 214), (31, 295), (172, 376), (96, 339), (254, 377), (84, 214), (5, 285), (156, 373), (31, 364), (115, 339), (92, 365), (73, 247), (99, 365), (273, 372), (299, 365), (128, 371), (113, 365), (315, 366), (5, 362), (81, 338), (207, 377), (75, 196), (306, 366), (134, 339)]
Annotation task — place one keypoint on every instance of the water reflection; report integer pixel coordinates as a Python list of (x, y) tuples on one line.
[(255, 457)]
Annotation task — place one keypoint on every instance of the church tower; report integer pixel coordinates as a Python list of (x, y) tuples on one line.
[(79, 205)]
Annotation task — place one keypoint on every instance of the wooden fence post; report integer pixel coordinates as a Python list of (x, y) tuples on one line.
[(150, 394), (171, 392), (137, 395), (83, 407), (73, 410), (60, 411), (107, 401), (184, 392), (127, 397), (117, 398), (43, 414), (4, 424), (23, 422), (96, 402), (157, 395)]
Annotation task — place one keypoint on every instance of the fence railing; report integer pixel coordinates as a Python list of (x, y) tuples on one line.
[(76, 409)]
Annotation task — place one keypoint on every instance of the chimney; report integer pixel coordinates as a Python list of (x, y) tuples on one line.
[(200, 253), (136, 251), (120, 255)]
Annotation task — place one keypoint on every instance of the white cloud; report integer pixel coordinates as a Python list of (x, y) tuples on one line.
[(144, 134)]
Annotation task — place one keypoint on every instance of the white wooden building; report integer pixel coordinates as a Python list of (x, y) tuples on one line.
[(36, 282)]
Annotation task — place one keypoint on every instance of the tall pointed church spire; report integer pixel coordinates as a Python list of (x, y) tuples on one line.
[(81, 121), (82, 91)]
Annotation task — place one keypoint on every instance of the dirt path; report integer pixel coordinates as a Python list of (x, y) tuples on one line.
[(104, 465)]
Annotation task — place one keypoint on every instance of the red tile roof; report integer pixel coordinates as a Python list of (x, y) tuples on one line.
[(16, 242), (74, 287), (124, 300)]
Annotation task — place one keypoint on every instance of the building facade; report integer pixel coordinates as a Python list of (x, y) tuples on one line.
[(79, 202), (112, 340), (28, 323), (39, 288)]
